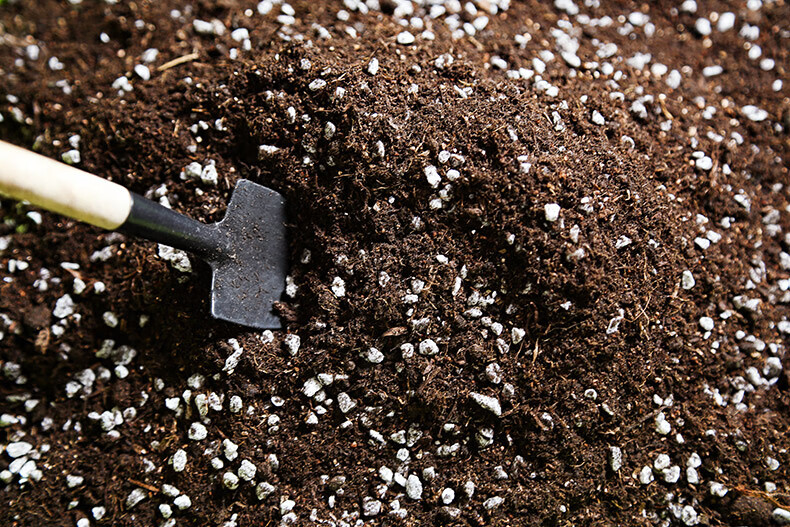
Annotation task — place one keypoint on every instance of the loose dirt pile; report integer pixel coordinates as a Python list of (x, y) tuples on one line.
[(539, 265)]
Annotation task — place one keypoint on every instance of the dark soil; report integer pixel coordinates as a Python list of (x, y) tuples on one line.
[(353, 212)]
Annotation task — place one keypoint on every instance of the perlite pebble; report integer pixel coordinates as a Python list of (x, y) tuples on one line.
[(197, 432), (374, 356), (370, 506), (615, 458), (552, 212), (717, 489), (597, 118), (135, 497), (64, 307), (72, 157), (645, 475), (179, 460), (487, 402), (230, 480), (311, 387), (493, 502), (170, 491), (405, 38), (339, 287), (165, 510), (345, 402), (74, 481), (247, 470), (428, 347), (781, 516), (448, 495), (373, 66), (230, 449), (432, 176), (182, 502), (292, 342), (672, 474), (264, 489), (688, 515), (661, 462), (18, 449), (662, 425), (414, 487), (687, 280)]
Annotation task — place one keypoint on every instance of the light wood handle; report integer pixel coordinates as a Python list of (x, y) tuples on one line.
[(60, 188)]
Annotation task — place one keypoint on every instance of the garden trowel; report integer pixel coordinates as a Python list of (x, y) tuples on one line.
[(247, 250)]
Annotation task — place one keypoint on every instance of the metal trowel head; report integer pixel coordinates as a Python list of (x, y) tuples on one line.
[(249, 276)]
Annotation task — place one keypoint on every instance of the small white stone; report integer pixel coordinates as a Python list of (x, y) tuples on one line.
[(98, 512), (339, 287), (552, 212), (672, 474), (370, 507), (373, 66), (661, 462), (432, 176), (182, 502), (781, 516), (292, 342), (63, 307), (704, 163), (311, 387), (197, 432), (230, 449), (317, 84), (754, 113), (267, 150), (687, 280), (703, 27), (493, 502), (230, 480), (717, 489), (143, 72), (448, 495), (72, 157), (374, 356), (247, 470), (726, 21), (179, 460), (345, 402), (18, 449), (209, 175), (597, 118), (165, 510), (615, 458), (688, 515), (414, 487), (135, 497), (645, 475), (405, 38), (110, 319), (264, 489), (662, 425), (74, 481), (706, 323), (235, 404), (428, 347), (488, 403)]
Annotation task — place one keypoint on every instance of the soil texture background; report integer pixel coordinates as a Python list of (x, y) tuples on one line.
[(539, 269)]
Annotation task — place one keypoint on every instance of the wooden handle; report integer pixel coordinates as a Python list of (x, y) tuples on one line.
[(60, 188)]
